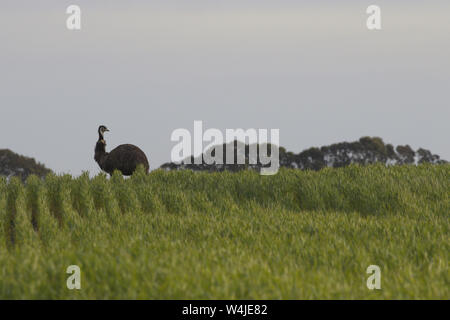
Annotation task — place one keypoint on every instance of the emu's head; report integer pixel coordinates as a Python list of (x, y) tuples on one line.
[(101, 131)]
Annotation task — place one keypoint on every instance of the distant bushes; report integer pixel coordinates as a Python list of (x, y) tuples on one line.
[(368, 150), (13, 164)]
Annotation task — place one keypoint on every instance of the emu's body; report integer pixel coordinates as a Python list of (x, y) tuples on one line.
[(124, 158)]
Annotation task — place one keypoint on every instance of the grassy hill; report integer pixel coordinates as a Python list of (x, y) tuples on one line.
[(180, 234)]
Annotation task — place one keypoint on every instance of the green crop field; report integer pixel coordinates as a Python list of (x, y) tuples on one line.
[(184, 235)]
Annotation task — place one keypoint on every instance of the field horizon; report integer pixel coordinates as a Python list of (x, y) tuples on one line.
[(197, 235)]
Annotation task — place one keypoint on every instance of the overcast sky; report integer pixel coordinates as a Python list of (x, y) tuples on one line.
[(146, 68)]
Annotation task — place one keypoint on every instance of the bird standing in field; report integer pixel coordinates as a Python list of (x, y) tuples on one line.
[(124, 158)]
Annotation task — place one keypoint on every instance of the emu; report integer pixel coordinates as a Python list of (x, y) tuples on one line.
[(124, 158)]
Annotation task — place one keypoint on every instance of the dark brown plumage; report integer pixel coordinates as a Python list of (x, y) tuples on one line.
[(124, 158)]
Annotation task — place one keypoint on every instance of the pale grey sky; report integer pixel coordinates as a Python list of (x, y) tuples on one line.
[(145, 68)]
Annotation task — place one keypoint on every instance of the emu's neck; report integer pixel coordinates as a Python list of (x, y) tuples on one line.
[(100, 153)]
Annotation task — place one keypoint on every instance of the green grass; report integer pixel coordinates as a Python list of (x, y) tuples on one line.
[(184, 235)]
